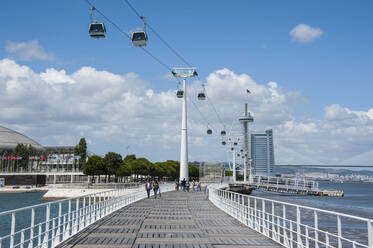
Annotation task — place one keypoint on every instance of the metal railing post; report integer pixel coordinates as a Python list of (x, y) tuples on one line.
[(316, 224), (273, 222), (32, 227), (22, 238), (264, 229), (69, 219), (12, 230), (47, 218), (370, 233), (339, 227), (299, 238)]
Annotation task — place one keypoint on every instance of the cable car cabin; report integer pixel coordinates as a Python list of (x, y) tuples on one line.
[(223, 143), (97, 30), (139, 38), (209, 131), (201, 96), (180, 93), (223, 133)]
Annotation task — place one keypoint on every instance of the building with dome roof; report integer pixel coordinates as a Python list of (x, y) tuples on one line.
[(9, 139), (54, 164)]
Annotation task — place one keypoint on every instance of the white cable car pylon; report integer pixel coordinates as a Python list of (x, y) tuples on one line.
[(184, 73)]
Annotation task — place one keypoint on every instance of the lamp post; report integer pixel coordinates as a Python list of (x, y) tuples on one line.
[(184, 73)]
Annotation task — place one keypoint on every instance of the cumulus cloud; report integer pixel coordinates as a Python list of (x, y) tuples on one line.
[(29, 50), (115, 111), (304, 33)]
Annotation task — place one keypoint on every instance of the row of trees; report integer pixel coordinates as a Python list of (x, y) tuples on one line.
[(112, 164)]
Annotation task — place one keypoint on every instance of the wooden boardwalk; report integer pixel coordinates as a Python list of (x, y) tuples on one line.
[(177, 220)]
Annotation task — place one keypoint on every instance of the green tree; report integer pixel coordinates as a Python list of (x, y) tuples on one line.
[(228, 173), (112, 162), (193, 171), (124, 170), (94, 166), (81, 150), (158, 170), (24, 151), (129, 158), (140, 166)]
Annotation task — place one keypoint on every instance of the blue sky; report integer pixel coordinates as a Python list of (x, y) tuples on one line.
[(246, 37)]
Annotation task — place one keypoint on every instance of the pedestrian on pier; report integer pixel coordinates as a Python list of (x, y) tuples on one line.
[(155, 188), (148, 187), (177, 185), (187, 185), (183, 184), (198, 185)]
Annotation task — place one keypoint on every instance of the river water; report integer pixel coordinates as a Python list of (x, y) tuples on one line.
[(358, 199)]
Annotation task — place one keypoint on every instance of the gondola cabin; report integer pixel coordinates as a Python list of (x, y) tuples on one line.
[(180, 93), (139, 38), (97, 30), (201, 96)]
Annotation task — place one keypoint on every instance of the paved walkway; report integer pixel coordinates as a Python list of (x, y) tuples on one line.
[(177, 220)]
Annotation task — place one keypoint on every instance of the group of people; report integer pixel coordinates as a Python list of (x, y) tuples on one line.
[(149, 186), (185, 185)]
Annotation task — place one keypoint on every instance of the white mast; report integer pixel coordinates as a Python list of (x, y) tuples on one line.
[(184, 73)]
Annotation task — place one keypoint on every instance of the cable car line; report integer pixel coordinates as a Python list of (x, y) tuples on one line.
[(196, 106), (202, 95), (142, 38), (159, 36), (129, 37)]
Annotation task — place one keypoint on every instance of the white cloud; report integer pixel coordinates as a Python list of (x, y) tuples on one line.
[(28, 50), (304, 33), (114, 111), (54, 76)]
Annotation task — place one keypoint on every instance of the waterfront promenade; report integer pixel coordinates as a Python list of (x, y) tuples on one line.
[(177, 219)]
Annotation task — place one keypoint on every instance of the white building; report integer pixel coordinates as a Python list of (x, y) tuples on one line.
[(262, 153)]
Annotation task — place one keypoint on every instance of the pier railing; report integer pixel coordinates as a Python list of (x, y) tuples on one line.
[(285, 182), (49, 224), (293, 225)]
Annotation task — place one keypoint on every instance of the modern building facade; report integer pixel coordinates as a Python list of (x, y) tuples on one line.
[(262, 153)]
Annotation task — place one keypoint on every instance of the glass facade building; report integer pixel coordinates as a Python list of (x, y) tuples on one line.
[(262, 153)]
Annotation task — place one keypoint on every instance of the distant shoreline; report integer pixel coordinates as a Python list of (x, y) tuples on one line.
[(9, 190)]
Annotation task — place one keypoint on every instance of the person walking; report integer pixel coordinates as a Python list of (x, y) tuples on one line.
[(155, 188), (194, 186), (148, 187), (187, 185), (177, 185), (183, 184), (198, 185)]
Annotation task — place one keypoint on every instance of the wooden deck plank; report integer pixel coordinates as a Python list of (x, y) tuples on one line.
[(177, 220)]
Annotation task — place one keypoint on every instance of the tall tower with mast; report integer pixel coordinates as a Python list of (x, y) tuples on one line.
[(245, 119)]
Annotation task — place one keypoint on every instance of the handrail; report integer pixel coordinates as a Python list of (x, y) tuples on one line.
[(54, 222), (289, 224)]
